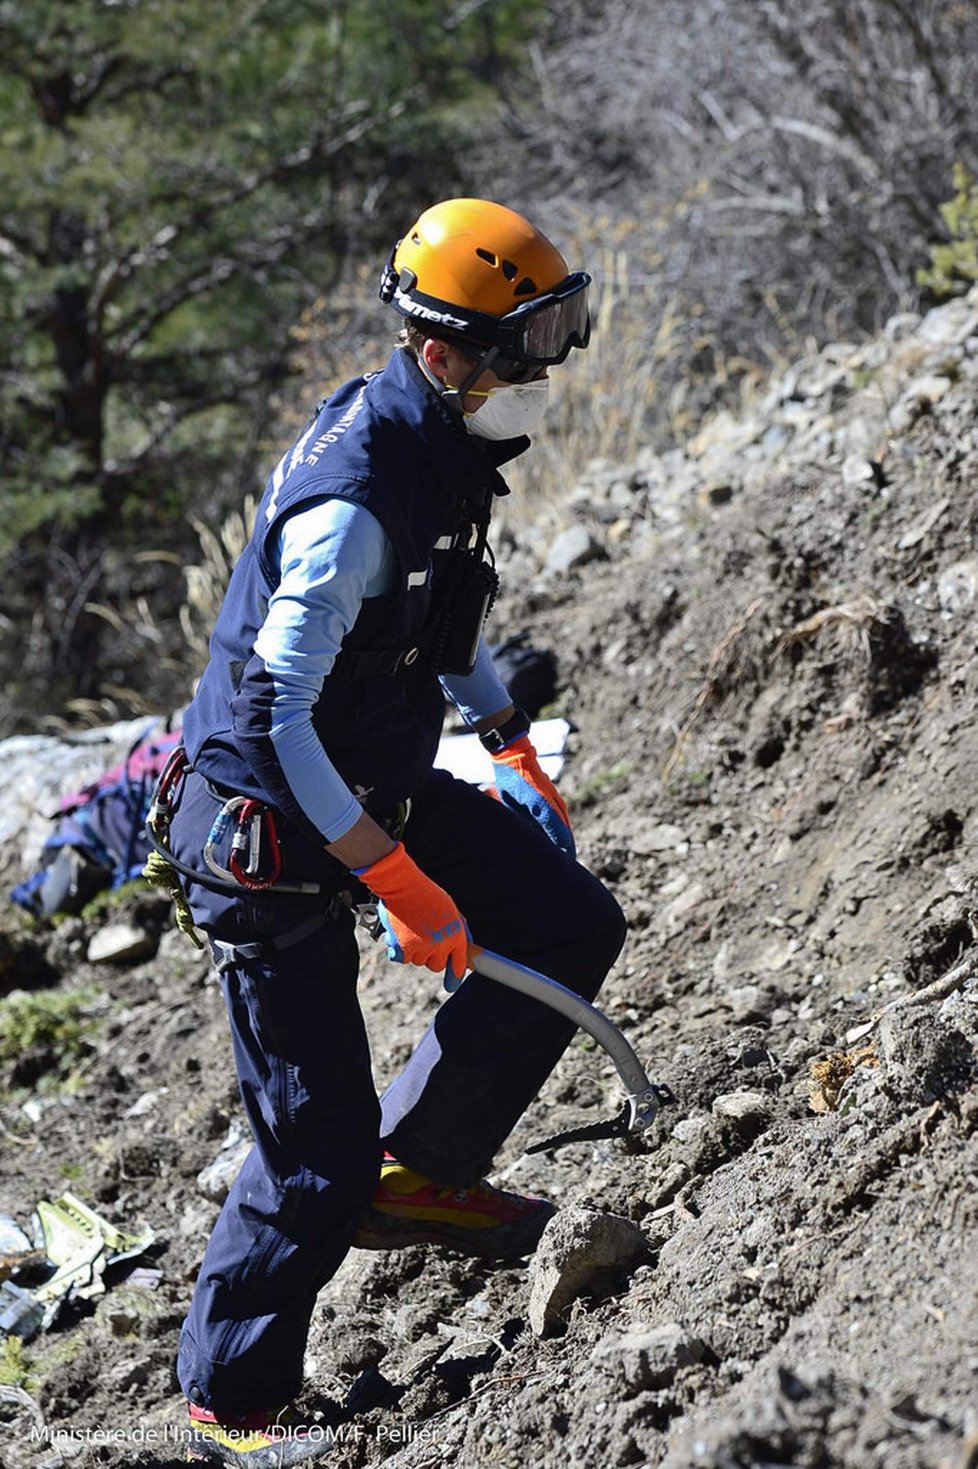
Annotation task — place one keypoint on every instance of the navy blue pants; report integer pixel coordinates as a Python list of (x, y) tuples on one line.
[(303, 1064)]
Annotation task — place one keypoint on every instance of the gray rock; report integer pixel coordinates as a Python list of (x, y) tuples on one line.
[(924, 1059), (952, 322), (857, 470), (37, 770), (573, 547), (691, 1130), (957, 586), (120, 943), (215, 1180), (927, 390), (901, 326), (581, 1251), (126, 1375), (743, 1106), (749, 1003), (646, 841), (648, 1359)]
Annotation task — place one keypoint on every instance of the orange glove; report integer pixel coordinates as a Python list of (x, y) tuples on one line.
[(420, 920), (522, 784)]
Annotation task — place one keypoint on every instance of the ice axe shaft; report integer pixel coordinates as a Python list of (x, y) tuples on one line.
[(644, 1096)]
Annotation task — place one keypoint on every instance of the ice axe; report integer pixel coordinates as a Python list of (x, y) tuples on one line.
[(643, 1097)]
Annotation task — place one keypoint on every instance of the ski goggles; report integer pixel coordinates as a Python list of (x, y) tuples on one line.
[(541, 332)]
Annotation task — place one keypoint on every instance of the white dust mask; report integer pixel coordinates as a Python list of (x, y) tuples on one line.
[(509, 411)]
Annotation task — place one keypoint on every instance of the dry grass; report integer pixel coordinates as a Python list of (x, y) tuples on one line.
[(830, 1075), (722, 672), (850, 623), (179, 653), (207, 579), (605, 402)]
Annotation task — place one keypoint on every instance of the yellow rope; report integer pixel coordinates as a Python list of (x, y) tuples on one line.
[(161, 874)]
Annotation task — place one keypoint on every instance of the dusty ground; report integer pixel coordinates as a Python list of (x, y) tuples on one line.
[(775, 768)]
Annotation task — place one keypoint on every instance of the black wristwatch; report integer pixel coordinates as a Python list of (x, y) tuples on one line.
[(496, 739)]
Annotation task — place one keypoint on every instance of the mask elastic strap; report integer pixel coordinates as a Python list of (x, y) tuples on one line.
[(455, 397)]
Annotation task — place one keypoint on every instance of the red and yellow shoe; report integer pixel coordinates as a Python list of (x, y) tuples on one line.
[(411, 1209), (254, 1441)]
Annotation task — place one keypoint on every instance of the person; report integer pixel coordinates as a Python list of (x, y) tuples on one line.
[(307, 782)]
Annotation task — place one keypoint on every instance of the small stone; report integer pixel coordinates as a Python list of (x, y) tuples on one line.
[(743, 1106), (581, 1251), (120, 943), (955, 321), (197, 1221), (901, 326), (957, 586), (647, 1360), (574, 547), (661, 1194), (676, 914), (749, 1003), (927, 390), (215, 1181), (662, 837), (691, 1130), (126, 1375), (857, 470), (146, 1103)]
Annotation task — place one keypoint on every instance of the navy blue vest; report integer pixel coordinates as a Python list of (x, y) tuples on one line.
[(388, 443)]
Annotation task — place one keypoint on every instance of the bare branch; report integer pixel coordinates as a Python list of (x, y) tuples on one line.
[(766, 203), (717, 112), (127, 337), (829, 140)]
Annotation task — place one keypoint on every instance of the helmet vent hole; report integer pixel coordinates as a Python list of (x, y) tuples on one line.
[(487, 256), (526, 287), (416, 239), (510, 271)]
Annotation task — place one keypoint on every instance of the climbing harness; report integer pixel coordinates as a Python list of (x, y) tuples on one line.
[(251, 825), (228, 956), (246, 828)]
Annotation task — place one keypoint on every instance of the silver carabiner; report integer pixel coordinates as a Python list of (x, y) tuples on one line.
[(218, 833), (246, 842)]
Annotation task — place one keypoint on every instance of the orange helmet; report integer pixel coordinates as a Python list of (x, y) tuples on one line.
[(479, 272)]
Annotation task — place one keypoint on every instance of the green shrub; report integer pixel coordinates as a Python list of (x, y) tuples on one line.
[(14, 1371), (46, 1031), (954, 264)]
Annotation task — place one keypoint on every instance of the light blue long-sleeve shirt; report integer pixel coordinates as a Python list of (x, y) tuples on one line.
[(333, 555)]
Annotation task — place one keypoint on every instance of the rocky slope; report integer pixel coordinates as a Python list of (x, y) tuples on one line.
[(766, 644)]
